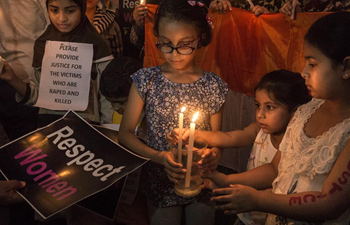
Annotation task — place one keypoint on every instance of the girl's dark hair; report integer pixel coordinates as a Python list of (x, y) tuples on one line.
[(81, 4), (182, 11), (115, 79), (285, 87), (330, 34)]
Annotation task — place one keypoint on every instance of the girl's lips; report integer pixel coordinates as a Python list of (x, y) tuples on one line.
[(63, 25), (263, 126), (309, 88)]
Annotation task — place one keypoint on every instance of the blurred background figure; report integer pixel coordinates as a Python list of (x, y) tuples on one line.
[(21, 22), (103, 19)]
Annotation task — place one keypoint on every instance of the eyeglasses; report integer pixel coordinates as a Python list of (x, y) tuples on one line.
[(182, 50)]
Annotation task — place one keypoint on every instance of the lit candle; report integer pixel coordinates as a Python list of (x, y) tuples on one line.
[(190, 149), (179, 143), (142, 2)]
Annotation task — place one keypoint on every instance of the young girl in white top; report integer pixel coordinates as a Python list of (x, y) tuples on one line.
[(310, 175), (181, 28), (277, 96)]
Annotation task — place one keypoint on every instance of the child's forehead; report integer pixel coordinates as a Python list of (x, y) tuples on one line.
[(69, 3), (264, 95)]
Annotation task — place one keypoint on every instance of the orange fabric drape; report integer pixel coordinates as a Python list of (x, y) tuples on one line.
[(244, 47)]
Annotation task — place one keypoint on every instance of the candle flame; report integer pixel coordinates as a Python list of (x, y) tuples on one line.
[(142, 2), (195, 116), (183, 109)]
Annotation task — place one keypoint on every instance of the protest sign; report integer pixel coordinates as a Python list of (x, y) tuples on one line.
[(126, 8), (65, 76), (64, 163)]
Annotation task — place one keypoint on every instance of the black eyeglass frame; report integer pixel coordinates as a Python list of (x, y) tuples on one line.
[(176, 48)]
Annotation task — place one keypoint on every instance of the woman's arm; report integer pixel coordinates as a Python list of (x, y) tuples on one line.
[(327, 204)]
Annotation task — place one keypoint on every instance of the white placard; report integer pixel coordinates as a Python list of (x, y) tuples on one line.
[(65, 76)]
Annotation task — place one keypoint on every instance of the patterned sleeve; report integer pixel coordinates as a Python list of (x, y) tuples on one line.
[(137, 36), (141, 80), (118, 40), (218, 95)]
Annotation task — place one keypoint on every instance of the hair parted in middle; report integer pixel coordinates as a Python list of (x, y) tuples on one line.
[(182, 11), (285, 87)]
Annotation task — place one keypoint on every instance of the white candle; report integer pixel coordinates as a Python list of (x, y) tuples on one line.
[(190, 149), (179, 143)]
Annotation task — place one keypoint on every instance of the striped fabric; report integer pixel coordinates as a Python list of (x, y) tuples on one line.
[(103, 19), (105, 24)]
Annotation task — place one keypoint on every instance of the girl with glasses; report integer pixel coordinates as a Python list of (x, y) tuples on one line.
[(181, 28)]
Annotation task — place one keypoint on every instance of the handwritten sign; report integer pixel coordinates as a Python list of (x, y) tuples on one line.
[(65, 76)]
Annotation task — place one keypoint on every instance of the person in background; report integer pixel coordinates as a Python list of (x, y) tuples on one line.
[(8, 194), (258, 7), (21, 22), (103, 20), (77, 29), (316, 6), (115, 85), (115, 81), (137, 31), (284, 6)]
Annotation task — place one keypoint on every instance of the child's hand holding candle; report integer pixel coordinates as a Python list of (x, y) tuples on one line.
[(174, 170)]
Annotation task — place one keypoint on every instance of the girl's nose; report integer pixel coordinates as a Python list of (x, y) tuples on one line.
[(175, 52), (304, 73), (62, 17), (261, 113)]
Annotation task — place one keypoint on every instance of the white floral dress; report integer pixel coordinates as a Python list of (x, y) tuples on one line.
[(163, 102), (306, 162)]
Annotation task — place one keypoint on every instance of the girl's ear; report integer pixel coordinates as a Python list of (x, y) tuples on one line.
[(346, 62)]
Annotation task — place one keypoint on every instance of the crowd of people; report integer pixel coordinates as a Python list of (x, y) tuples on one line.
[(299, 165), (259, 7)]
